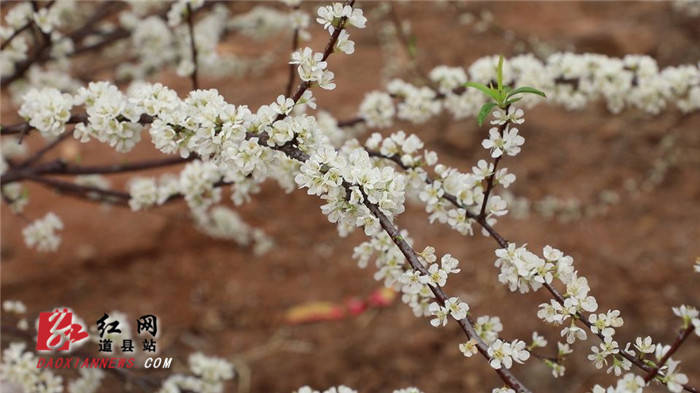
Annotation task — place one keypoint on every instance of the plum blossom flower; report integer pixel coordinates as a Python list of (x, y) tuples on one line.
[(513, 115), (440, 314), (508, 143), (469, 348)]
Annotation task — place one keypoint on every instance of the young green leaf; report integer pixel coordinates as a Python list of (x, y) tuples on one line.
[(485, 110), (526, 89), (412, 46), (512, 100), (489, 92), (499, 71)]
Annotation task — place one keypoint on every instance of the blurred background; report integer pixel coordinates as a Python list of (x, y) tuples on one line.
[(214, 296)]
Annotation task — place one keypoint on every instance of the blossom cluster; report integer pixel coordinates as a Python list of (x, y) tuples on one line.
[(41, 233), (89, 381), (47, 110), (522, 270), (170, 39), (229, 141), (111, 119), (156, 40), (568, 79), (209, 374), (18, 369), (223, 223), (48, 20), (454, 197), (311, 66), (346, 181)]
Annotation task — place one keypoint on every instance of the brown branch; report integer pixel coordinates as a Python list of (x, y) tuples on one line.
[(40, 153), (67, 169), (351, 122), (109, 38), (60, 167), (466, 325), (21, 67), (92, 194), (292, 67), (15, 34), (102, 12), (24, 127), (680, 338), (64, 187)]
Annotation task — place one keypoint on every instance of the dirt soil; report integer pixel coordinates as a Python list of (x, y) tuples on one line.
[(218, 298)]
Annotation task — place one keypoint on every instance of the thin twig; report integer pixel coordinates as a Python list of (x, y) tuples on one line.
[(93, 194), (489, 181), (40, 153), (113, 196), (326, 52), (193, 46), (15, 34), (489, 187), (60, 167), (24, 127), (292, 68)]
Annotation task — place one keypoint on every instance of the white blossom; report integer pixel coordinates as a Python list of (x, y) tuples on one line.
[(41, 234), (440, 314), (469, 348), (509, 142), (47, 110)]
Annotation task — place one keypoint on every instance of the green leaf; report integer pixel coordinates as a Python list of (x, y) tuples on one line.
[(526, 89), (412, 46), (489, 92), (511, 101), (499, 71), (485, 110)]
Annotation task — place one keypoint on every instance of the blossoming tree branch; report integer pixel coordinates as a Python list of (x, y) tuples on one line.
[(363, 185)]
